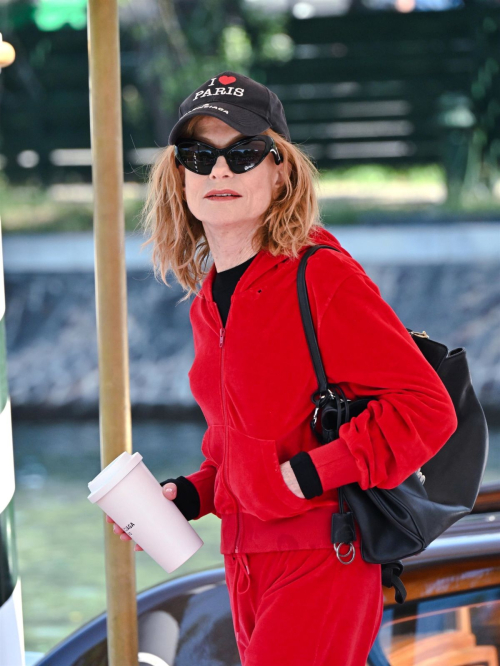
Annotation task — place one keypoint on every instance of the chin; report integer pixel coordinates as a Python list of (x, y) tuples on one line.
[(216, 213)]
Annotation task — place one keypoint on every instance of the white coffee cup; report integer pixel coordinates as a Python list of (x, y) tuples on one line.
[(128, 493)]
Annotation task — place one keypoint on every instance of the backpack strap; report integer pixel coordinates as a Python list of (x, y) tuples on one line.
[(391, 572)]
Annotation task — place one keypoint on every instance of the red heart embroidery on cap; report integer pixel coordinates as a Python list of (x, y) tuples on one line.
[(227, 79)]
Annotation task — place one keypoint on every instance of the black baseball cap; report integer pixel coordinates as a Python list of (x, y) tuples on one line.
[(241, 102)]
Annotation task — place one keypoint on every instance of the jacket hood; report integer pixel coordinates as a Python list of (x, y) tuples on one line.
[(265, 261)]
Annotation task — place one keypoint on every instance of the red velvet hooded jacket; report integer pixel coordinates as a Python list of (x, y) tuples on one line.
[(254, 378)]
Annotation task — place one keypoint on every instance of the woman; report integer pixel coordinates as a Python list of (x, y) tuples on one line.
[(254, 209)]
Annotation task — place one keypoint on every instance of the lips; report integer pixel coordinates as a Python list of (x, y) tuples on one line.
[(222, 194)]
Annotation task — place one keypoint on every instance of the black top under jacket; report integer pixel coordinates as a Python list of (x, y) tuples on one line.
[(188, 500), (224, 284)]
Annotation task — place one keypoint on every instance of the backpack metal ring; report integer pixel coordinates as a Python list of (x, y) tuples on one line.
[(352, 550)]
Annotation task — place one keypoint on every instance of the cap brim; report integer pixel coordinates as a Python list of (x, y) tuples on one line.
[(242, 120)]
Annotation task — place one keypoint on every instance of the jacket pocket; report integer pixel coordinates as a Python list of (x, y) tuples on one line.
[(255, 478), (212, 447)]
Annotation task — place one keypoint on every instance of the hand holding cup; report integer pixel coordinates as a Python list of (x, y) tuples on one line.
[(169, 491), (133, 499)]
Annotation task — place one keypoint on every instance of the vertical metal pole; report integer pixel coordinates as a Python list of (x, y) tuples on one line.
[(11, 615), (111, 305)]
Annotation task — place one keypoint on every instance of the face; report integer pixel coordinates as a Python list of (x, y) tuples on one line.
[(256, 188)]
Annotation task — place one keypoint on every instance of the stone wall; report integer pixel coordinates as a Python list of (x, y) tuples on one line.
[(51, 323)]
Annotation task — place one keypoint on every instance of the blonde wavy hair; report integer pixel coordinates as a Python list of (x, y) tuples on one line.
[(178, 238)]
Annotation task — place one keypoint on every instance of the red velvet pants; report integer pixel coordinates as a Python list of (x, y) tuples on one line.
[(303, 607)]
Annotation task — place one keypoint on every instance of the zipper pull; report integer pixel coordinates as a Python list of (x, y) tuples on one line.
[(221, 337)]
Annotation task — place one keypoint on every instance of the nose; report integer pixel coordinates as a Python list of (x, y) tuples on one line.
[(221, 168)]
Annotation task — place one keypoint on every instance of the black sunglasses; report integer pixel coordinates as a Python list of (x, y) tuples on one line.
[(241, 156)]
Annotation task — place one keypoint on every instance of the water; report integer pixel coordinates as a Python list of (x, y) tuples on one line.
[(60, 533)]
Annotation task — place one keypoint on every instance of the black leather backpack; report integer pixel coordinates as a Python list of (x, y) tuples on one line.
[(402, 521)]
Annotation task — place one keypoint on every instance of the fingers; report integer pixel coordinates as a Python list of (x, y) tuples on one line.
[(116, 528), (170, 490), (123, 535)]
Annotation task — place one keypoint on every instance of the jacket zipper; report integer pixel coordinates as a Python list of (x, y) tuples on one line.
[(222, 335)]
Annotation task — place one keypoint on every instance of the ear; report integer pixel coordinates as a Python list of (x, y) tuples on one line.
[(280, 174)]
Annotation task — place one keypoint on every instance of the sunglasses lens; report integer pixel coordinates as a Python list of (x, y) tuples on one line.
[(246, 156), (195, 157), (201, 159)]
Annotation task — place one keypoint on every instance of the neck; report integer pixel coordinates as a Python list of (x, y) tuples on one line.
[(230, 246)]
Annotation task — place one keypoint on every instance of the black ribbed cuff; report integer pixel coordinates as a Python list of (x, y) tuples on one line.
[(187, 499), (307, 475)]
